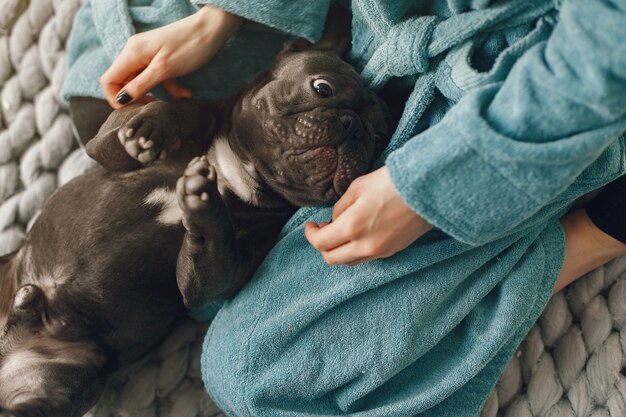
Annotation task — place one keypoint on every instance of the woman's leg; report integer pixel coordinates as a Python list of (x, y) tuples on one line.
[(428, 330), (596, 234)]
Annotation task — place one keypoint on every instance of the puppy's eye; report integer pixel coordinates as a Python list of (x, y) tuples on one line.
[(323, 87)]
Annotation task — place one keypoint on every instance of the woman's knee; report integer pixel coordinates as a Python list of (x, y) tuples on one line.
[(250, 373)]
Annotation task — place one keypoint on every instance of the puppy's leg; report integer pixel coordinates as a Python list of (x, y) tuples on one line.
[(106, 148), (151, 134), (134, 136), (88, 114), (137, 135), (212, 263)]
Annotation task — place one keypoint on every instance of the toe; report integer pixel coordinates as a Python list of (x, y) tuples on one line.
[(211, 174), (146, 157), (197, 167), (133, 148), (145, 131), (121, 134), (195, 184), (146, 143)]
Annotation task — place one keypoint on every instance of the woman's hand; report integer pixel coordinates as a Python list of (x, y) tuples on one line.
[(160, 55), (370, 221)]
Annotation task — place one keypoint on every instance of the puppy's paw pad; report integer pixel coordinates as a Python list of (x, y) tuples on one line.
[(141, 148), (197, 191), (147, 139)]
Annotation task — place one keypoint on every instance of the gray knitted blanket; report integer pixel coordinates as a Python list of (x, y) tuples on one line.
[(570, 364)]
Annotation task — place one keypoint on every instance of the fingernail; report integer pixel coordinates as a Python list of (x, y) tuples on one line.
[(123, 97)]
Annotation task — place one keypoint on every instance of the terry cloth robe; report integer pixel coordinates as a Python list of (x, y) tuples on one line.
[(515, 109)]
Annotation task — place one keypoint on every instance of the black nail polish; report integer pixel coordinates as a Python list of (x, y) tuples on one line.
[(123, 97)]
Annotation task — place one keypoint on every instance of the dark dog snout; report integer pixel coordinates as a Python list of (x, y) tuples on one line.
[(348, 122)]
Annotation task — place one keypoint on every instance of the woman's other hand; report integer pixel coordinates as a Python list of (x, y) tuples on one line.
[(370, 221), (161, 55)]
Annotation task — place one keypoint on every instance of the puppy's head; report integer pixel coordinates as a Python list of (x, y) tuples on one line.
[(41, 372), (308, 126)]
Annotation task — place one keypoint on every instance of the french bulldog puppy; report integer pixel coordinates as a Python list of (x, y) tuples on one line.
[(117, 254)]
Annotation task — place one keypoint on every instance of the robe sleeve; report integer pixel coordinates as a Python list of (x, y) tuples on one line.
[(506, 150), (304, 19)]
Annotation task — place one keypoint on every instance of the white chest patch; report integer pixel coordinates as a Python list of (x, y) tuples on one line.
[(171, 213), (233, 173)]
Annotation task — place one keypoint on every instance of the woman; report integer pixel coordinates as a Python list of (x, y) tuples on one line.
[(515, 109)]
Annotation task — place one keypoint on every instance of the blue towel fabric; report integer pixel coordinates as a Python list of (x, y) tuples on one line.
[(516, 109), (101, 29)]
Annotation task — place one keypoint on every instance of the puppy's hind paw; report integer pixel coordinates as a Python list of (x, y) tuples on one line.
[(146, 138), (197, 192)]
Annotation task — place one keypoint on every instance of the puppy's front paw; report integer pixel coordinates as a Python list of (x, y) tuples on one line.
[(197, 193), (146, 138)]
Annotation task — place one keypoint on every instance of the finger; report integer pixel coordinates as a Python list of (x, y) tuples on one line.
[(331, 235), (344, 202), (175, 89), (125, 67), (358, 251), (110, 92), (344, 254), (312, 234), (141, 85), (156, 71), (310, 229)]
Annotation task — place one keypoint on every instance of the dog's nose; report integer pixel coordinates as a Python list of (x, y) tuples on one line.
[(347, 121)]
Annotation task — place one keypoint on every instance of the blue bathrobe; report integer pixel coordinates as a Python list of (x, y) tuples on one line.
[(515, 109)]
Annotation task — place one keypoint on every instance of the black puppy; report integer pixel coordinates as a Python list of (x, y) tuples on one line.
[(99, 278)]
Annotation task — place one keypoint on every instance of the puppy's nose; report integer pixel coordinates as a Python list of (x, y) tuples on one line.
[(347, 121)]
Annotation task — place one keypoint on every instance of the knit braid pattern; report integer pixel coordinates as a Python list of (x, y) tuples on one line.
[(167, 383), (570, 364), (37, 147)]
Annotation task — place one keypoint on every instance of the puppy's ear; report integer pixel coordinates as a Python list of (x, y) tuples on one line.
[(335, 38)]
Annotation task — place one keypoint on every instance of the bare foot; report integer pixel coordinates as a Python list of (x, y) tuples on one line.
[(586, 247)]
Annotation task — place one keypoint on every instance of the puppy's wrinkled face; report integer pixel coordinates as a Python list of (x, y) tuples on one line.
[(309, 127), (40, 374)]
